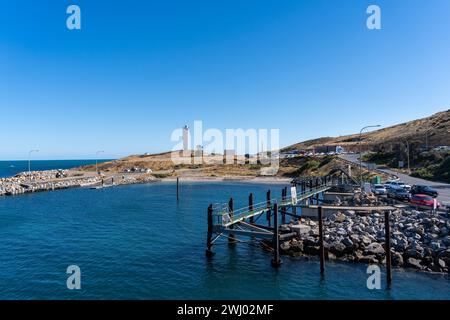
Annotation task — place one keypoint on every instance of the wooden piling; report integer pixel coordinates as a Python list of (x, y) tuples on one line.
[(283, 209), (250, 206), (276, 261), (268, 207), (387, 237), (321, 247), (231, 237), (210, 231)]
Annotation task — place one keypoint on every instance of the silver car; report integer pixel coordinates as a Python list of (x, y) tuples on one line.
[(379, 189)]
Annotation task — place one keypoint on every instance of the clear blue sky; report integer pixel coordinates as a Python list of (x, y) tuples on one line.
[(139, 69)]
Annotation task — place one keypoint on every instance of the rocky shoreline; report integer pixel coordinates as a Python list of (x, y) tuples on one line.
[(38, 181), (419, 240)]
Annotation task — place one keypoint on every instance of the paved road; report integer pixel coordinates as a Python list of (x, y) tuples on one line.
[(442, 188)]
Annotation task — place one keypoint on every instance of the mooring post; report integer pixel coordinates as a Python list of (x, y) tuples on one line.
[(210, 231), (231, 237), (276, 261), (268, 207), (283, 208), (250, 206), (387, 231), (321, 247), (178, 183)]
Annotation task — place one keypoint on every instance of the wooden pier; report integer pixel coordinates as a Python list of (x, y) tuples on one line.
[(226, 221)]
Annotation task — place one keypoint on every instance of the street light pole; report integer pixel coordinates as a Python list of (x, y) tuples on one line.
[(29, 162), (407, 156), (360, 153), (96, 160)]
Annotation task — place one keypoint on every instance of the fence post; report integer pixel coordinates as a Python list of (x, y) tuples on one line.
[(283, 208), (276, 261), (268, 206), (321, 247), (387, 237), (231, 237), (210, 231), (250, 206)]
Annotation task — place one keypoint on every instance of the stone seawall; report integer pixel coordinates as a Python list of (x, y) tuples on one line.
[(419, 240), (48, 180)]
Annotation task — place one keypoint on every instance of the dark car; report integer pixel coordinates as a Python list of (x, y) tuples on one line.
[(419, 189), (400, 194)]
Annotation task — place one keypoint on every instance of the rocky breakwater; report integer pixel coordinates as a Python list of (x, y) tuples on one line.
[(418, 239), (42, 181), (63, 179)]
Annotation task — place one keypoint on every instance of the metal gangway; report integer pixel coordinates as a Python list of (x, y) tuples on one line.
[(225, 220)]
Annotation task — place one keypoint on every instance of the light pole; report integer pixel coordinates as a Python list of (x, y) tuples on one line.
[(96, 160), (407, 156), (29, 162), (360, 153)]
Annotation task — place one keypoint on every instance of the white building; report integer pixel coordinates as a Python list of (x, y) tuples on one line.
[(185, 139)]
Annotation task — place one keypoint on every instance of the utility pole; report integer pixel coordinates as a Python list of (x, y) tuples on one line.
[(360, 152), (407, 156)]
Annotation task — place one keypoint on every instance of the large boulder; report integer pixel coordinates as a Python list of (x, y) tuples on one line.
[(300, 229), (338, 248), (285, 246), (441, 263), (413, 263), (397, 259), (374, 248), (366, 240), (368, 259), (340, 217), (296, 246), (347, 243)]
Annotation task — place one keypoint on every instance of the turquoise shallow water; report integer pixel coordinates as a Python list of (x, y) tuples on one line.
[(137, 242)]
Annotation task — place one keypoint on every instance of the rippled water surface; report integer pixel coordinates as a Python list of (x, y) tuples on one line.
[(137, 242)]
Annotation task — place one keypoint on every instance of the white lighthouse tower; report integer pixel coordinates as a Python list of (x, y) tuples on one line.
[(185, 140)]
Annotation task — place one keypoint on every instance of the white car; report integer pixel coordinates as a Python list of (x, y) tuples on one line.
[(379, 189), (397, 184)]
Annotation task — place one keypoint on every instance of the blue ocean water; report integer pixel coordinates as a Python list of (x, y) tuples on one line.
[(138, 242), (10, 168)]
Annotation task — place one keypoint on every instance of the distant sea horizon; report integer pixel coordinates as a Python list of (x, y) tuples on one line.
[(10, 168)]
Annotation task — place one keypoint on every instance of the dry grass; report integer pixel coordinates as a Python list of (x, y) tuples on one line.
[(437, 126)]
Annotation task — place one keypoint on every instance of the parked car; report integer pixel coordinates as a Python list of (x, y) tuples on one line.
[(424, 200), (379, 189), (388, 183), (420, 189), (400, 194), (397, 184)]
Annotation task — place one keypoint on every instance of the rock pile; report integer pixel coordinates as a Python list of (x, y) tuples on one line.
[(57, 179), (418, 240)]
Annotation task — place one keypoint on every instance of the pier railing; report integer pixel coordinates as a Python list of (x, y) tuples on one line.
[(224, 215)]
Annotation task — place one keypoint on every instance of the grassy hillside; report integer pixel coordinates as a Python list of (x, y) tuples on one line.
[(435, 129)]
